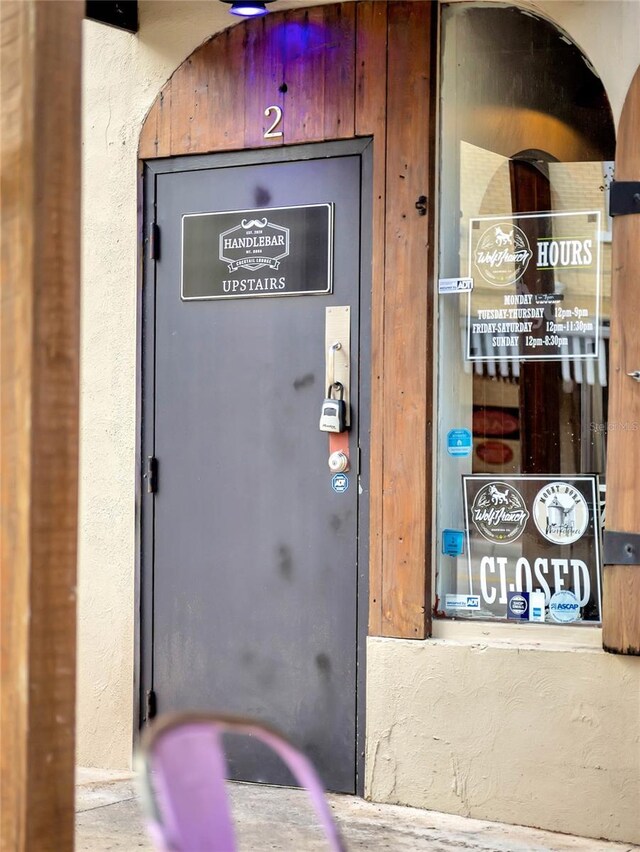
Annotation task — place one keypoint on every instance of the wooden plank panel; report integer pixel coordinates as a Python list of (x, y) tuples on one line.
[(201, 112), (305, 43), (371, 100), (264, 76), (371, 70), (406, 323), (430, 391), (204, 95), (621, 585), (15, 351), (39, 418), (243, 69), (147, 144), (155, 137), (197, 110), (222, 71), (182, 87), (339, 83), (207, 97), (319, 73), (163, 132)]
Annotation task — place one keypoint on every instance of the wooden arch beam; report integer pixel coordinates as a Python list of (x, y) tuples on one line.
[(301, 61)]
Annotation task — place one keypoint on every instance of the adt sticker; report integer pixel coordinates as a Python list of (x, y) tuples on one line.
[(452, 542), (462, 602), (455, 285), (340, 483), (459, 442)]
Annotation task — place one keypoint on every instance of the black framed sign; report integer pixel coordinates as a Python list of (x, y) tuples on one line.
[(275, 251), (537, 287), (534, 533)]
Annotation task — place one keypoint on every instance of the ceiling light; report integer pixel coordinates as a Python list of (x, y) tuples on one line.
[(248, 8)]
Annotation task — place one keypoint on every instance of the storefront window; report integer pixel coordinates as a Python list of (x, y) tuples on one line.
[(527, 142)]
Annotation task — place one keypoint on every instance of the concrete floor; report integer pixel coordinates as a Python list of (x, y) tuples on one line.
[(274, 818)]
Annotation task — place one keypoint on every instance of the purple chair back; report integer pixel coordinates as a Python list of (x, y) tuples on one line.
[(184, 775)]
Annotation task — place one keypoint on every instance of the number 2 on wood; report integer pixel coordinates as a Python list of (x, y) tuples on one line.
[(272, 133)]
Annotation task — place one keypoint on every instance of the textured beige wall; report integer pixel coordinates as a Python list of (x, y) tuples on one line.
[(122, 74), (533, 736)]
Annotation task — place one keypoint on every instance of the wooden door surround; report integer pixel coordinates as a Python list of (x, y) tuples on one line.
[(39, 351), (621, 583), (338, 72)]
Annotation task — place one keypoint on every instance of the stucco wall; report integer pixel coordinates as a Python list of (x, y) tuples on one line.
[(416, 691), (547, 737)]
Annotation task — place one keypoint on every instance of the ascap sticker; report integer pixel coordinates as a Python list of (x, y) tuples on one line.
[(498, 512), (564, 607), (533, 534), (276, 251), (521, 307)]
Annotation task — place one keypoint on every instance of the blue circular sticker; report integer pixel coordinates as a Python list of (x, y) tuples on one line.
[(564, 607)]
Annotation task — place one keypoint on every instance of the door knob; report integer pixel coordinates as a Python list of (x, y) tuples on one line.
[(338, 462)]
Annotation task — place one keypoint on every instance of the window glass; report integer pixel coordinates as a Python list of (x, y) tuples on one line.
[(527, 142)]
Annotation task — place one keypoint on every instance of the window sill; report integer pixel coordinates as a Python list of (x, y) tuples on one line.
[(548, 637)]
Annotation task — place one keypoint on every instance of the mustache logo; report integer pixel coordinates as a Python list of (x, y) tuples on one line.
[(254, 223)]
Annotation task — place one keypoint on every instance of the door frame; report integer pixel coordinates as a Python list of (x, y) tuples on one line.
[(145, 396)]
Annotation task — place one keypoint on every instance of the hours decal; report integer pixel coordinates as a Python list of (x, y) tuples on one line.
[(537, 288)]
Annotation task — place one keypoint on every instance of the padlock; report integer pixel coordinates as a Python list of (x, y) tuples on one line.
[(333, 416)]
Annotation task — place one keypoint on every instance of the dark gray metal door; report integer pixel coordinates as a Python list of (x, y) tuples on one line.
[(253, 607)]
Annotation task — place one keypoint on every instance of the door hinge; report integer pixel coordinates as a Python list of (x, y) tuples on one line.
[(150, 704), (154, 241), (151, 474), (621, 548)]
